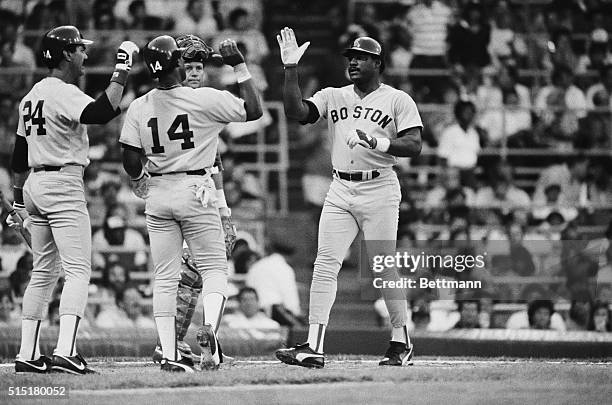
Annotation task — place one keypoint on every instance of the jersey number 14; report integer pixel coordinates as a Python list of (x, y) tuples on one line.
[(185, 134)]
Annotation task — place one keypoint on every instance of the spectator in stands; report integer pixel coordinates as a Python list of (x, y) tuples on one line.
[(561, 50), (116, 233), (8, 124), (540, 314), (428, 22), (599, 95), (505, 44), (579, 312), (460, 143), (600, 185), (103, 51), (115, 278), (570, 176), (126, 313), (249, 314), (501, 192), (469, 314), (397, 47), (244, 261), (560, 107), (600, 319), (241, 30), (196, 21), (9, 316), (504, 106), (521, 260), (598, 54), (576, 265), (468, 39), (20, 278), (139, 19), (22, 55), (274, 280), (448, 179)]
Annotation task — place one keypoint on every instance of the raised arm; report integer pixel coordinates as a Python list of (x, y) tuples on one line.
[(105, 107), (248, 92), (295, 107)]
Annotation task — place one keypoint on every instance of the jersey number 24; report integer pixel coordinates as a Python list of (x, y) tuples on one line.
[(31, 118), (185, 134)]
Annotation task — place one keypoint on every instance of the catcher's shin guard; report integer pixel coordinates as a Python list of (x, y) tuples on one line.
[(189, 290)]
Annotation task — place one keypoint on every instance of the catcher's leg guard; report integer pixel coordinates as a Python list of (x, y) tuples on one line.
[(189, 290)]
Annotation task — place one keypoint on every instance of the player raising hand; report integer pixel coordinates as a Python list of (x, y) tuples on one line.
[(176, 128), (52, 141), (370, 124)]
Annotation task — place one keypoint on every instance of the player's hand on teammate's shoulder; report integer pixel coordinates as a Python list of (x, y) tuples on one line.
[(230, 53), (125, 55), (291, 53), (358, 137)]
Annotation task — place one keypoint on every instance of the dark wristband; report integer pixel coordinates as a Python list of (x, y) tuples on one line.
[(18, 195), (120, 77)]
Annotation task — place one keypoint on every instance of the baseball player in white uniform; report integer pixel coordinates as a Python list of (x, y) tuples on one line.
[(52, 141), (370, 124), (196, 55), (176, 129)]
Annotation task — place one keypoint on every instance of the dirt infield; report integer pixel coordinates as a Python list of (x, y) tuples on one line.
[(342, 381)]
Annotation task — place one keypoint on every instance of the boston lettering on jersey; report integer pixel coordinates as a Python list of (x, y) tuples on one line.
[(361, 112)]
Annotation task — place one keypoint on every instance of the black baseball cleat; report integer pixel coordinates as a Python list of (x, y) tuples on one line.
[(398, 354), (70, 364), (184, 365), (158, 355), (42, 365), (301, 355), (211, 356)]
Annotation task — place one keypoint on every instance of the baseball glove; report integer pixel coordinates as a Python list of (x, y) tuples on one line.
[(194, 49)]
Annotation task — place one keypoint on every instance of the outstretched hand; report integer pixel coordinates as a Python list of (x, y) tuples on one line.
[(290, 52)]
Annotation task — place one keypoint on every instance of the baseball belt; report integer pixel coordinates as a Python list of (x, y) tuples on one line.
[(357, 176), (200, 172)]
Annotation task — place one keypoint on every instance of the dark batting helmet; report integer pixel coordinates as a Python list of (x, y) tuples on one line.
[(369, 46), (161, 55), (56, 40)]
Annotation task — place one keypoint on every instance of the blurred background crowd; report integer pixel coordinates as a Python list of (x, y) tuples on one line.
[(516, 99)]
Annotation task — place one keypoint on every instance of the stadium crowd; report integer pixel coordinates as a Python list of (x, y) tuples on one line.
[(516, 99)]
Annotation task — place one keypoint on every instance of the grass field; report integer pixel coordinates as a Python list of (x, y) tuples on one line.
[(344, 380)]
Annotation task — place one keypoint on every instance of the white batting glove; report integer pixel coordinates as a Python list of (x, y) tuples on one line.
[(125, 55), (140, 184), (358, 137), (290, 52)]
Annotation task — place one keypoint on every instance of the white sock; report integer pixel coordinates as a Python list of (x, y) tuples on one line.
[(30, 332), (213, 309), (400, 335), (316, 336), (66, 341), (167, 336)]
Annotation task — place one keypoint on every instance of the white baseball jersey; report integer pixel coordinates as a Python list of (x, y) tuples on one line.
[(49, 119), (178, 128), (382, 114)]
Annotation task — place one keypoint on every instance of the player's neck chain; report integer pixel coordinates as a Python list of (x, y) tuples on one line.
[(174, 86)]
